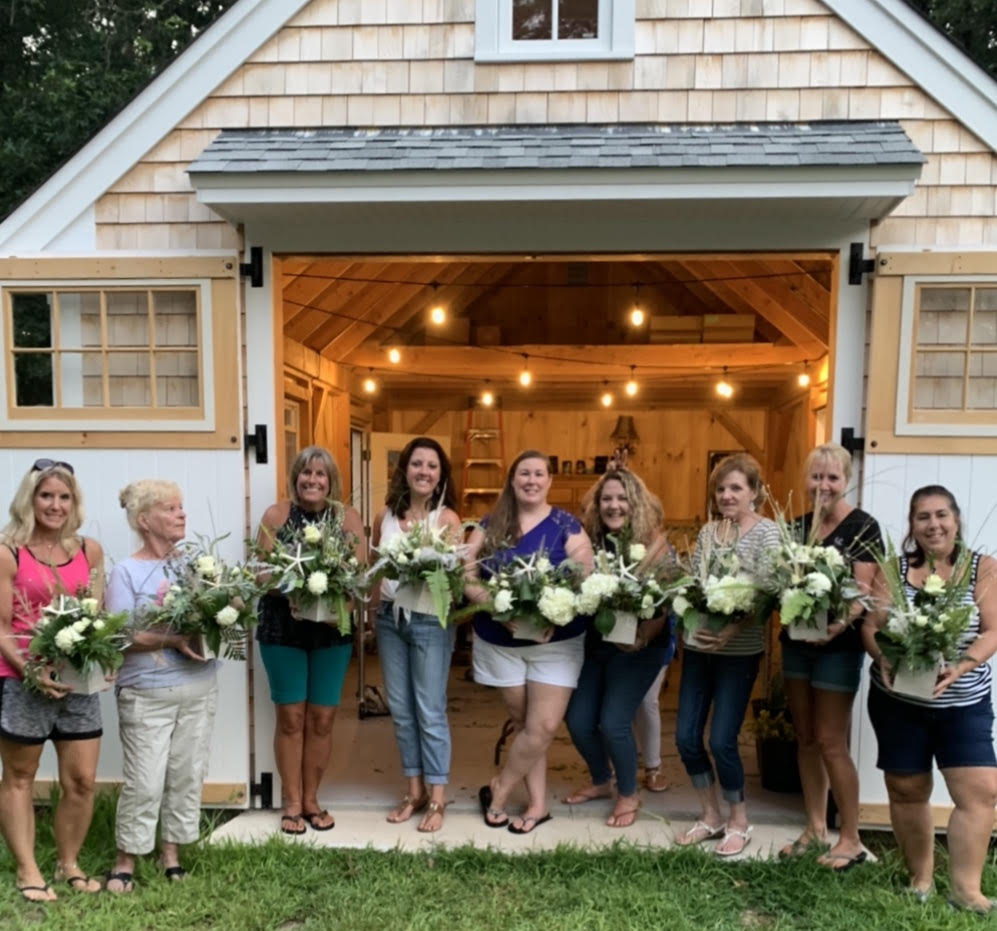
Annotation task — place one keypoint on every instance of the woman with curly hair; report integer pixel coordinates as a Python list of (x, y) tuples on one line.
[(414, 647), (619, 511)]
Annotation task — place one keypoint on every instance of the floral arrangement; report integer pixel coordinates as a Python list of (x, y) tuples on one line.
[(533, 591), (619, 582), (924, 631), (317, 569), (427, 565), (206, 597), (813, 583), (74, 635), (715, 590), (772, 724)]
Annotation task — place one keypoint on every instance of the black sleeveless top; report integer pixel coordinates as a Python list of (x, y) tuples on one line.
[(276, 625)]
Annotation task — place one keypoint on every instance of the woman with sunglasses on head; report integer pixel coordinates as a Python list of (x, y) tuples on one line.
[(41, 555), (414, 648), (305, 661), (618, 511), (954, 727)]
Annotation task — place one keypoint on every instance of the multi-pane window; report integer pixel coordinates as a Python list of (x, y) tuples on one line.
[(536, 20), (955, 352), (102, 348)]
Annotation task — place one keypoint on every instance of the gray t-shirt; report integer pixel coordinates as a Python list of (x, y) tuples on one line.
[(134, 584), (752, 552)]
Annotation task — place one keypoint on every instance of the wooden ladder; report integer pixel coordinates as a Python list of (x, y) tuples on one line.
[(484, 460)]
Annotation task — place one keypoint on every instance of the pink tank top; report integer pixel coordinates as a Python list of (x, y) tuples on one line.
[(34, 586)]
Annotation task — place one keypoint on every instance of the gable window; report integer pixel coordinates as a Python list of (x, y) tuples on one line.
[(948, 383), (554, 30)]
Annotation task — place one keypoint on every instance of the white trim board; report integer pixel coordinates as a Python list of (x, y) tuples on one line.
[(942, 70)]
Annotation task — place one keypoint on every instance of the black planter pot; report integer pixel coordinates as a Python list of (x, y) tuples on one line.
[(777, 765)]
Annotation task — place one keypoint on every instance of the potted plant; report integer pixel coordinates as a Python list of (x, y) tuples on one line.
[(775, 740)]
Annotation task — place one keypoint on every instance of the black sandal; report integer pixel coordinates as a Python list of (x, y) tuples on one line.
[(24, 890), (295, 824), (312, 817), (175, 873), (127, 885)]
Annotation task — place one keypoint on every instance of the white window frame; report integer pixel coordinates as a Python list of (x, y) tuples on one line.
[(129, 421), (904, 426), (493, 40)]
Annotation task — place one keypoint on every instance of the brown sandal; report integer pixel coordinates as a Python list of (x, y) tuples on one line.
[(432, 809), (623, 819), (415, 805)]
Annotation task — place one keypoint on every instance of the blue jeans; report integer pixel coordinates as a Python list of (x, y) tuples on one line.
[(600, 714), (725, 682), (415, 664)]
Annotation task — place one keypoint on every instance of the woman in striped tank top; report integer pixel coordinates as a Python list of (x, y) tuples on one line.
[(953, 727)]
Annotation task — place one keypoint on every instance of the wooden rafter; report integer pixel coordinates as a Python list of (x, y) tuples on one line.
[(734, 428)]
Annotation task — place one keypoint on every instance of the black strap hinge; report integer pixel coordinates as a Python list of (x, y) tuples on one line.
[(263, 790), (257, 440), (253, 269), (851, 442), (858, 265)]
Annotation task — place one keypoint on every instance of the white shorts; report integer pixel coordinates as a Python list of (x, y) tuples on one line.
[(558, 663)]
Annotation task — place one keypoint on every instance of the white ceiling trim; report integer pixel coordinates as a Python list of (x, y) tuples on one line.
[(939, 67), (153, 113)]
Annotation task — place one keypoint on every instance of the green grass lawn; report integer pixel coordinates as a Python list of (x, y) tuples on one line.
[(288, 886)]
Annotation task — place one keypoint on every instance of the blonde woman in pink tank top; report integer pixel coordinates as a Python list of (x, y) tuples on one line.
[(40, 555)]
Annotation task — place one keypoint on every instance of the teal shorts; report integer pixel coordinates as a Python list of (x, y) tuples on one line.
[(314, 676), (833, 671)]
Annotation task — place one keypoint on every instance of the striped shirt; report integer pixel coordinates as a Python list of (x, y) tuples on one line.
[(971, 687), (752, 551)]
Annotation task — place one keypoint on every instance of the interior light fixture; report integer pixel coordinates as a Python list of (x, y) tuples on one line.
[(803, 379), (637, 315), (394, 356), (525, 378), (369, 384), (437, 315), (487, 398), (607, 398), (723, 387), (631, 386)]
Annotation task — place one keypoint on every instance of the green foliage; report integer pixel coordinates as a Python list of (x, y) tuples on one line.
[(970, 23), (66, 68)]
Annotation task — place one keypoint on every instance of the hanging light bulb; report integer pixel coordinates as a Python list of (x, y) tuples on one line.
[(369, 384), (437, 315), (607, 399), (637, 313), (803, 379), (525, 378), (487, 398), (394, 356), (723, 387), (631, 386)]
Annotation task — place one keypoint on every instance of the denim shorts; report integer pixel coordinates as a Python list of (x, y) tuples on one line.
[(910, 735), (830, 670)]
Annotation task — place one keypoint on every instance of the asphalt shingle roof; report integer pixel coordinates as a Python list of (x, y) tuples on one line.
[(582, 146)]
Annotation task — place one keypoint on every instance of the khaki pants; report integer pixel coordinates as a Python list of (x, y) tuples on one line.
[(165, 737)]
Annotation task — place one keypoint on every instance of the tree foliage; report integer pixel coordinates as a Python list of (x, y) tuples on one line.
[(67, 66)]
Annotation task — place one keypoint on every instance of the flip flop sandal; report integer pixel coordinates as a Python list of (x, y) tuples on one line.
[(745, 836), (973, 909), (582, 796), (295, 826), (485, 801), (708, 832), (433, 808), (530, 820), (843, 858), (78, 882), (654, 781), (800, 847), (416, 804), (24, 890), (312, 818), (175, 874), (126, 880), (618, 819)]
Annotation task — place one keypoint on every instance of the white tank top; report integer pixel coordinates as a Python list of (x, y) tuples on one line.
[(390, 527)]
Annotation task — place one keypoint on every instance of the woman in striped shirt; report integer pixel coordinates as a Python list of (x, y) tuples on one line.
[(953, 727)]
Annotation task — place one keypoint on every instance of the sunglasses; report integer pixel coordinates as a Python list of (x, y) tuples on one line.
[(41, 465)]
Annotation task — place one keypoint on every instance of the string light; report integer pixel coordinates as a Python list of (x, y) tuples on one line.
[(636, 314), (525, 378), (487, 398), (607, 398), (724, 388), (394, 356), (369, 385), (803, 379), (438, 316), (631, 386)]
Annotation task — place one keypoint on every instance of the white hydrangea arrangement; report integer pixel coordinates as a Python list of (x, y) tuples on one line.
[(426, 562), (533, 592), (206, 597), (923, 632), (621, 590), (813, 583), (317, 569), (716, 591), (81, 642)]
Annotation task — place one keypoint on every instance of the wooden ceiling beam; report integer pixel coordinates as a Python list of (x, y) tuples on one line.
[(490, 258)]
